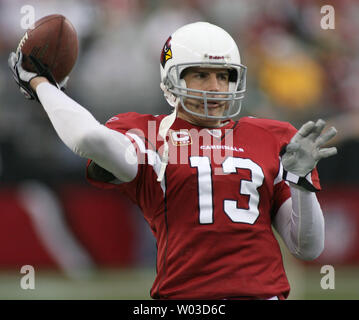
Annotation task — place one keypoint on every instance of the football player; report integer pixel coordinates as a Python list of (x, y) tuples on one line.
[(210, 188)]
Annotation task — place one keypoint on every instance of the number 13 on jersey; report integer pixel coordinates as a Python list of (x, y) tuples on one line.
[(230, 207)]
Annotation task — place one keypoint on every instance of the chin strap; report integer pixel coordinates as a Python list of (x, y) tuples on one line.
[(170, 97), (165, 125)]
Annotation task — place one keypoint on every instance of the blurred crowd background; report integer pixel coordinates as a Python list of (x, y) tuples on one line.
[(297, 72)]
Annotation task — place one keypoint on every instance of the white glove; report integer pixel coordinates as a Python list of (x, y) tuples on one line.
[(304, 150), (21, 76)]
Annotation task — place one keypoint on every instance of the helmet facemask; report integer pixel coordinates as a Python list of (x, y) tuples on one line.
[(232, 98)]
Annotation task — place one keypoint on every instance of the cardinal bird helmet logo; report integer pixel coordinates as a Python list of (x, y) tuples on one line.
[(166, 52)]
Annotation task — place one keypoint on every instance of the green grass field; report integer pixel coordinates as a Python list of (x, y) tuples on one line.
[(136, 283), (104, 284)]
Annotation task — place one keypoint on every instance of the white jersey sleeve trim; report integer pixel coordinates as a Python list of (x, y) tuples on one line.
[(153, 157), (280, 173)]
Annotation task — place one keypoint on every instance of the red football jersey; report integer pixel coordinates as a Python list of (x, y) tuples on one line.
[(212, 213)]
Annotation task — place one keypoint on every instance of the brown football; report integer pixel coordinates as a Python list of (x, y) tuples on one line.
[(53, 40)]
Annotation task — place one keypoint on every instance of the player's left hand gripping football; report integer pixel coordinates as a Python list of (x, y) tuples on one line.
[(23, 77), (305, 148)]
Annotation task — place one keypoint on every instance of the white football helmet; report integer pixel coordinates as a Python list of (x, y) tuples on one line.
[(202, 44)]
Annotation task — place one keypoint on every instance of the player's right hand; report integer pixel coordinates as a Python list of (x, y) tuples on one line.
[(21, 76)]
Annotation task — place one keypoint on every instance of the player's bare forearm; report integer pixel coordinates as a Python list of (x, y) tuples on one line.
[(36, 81)]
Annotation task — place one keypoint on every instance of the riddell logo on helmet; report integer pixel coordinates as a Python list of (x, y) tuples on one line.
[(166, 52), (216, 57)]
